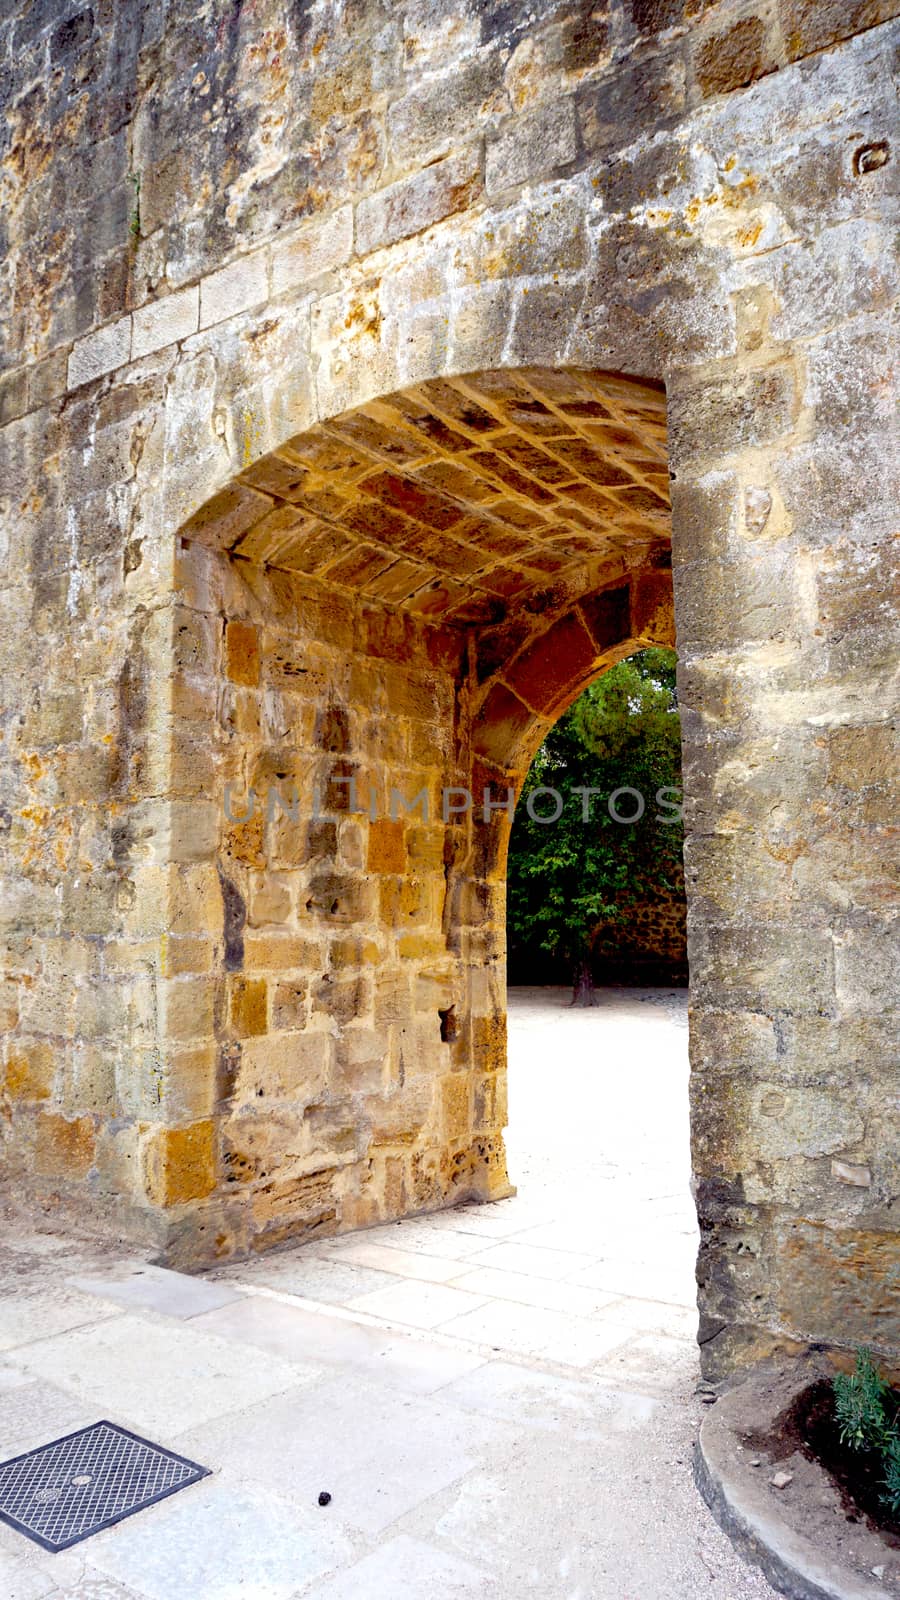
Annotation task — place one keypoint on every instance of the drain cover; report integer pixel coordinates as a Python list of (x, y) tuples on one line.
[(67, 1490)]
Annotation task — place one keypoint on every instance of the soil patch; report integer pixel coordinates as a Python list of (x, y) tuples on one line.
[(809, 1426)]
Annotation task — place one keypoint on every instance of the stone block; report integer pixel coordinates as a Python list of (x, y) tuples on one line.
[(189, 1083), (413, 204), (731, 60), (187, 1008), (100, 352), (248, 1006), (405, 902), (560, 659), (354, 952), (242, 653), (269, 903), (786, 1121), (180, 1163), (318, 247), (863, 758), (653, 608), (455, 1106), (544, 320), (30, 1069), (443, 111), (810, 25), (360, 1063), (291, 1068), (419, 946), (644, 91), (503, 727), (13, 396), (726, 415), (867, 960), (736, 967), (64, 1146), (165, 321), (244, 283), (386, 846), (281, 952), (531, 145), (289, 1004), (840, 1281)]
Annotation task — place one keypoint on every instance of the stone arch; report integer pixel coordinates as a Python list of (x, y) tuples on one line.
[(376, 608)]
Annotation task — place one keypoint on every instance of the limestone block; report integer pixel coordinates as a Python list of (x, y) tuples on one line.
[(318, 247), (187, 1008), (531, 145), (293, 1067), (187, 1085), (445, 110), (866, 965), (244, 283), (730, 60), (289, 1004), (800, 1122), (64, 1146), (413, 204), (99, 352), (30, 1069), (815, 24), (248, 1006), (737, 966), (732, 413), (838, 1278), (165, 321), (180, 1163), (455, 1104)]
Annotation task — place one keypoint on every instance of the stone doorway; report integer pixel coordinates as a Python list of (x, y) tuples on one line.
[(387, 614)]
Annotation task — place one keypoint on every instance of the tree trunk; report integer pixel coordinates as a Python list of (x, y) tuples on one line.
[(583, 991)]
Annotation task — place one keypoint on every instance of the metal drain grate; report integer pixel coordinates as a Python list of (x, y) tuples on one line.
[(65, 1491)]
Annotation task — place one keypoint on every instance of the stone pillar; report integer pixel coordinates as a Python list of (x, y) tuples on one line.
[(781, 514)]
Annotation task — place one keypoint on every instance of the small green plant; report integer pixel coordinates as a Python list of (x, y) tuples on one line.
[(868, 1417), (891, 1480), (859, 1404), (134, 179)]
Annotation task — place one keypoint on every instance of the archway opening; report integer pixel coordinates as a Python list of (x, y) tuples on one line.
[(384, 616), (598, 1136)]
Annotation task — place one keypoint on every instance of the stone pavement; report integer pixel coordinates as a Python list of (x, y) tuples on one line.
[(499, 1399)]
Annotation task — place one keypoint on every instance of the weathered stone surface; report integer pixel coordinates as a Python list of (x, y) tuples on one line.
[(531, 146), (276, 516), (415, 203)]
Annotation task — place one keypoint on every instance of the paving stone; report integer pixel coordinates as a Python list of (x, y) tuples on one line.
[(379, 1453), (172, 1294), (531, 1260), (158, 1377), (224, 1542), (420, 1305), (404, 1561), (51, 1310)]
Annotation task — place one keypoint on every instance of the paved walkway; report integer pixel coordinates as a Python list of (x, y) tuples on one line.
[(499, 1399)]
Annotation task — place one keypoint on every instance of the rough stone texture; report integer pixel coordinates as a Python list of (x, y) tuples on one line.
[(333, 533)]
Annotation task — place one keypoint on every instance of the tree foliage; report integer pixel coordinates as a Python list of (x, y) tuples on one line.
[(584, 868)]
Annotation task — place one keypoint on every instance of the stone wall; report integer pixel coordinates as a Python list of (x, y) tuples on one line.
[(650, 947), (226, 228)]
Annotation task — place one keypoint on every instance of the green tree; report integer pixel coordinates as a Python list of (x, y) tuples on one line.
[(585, 866)]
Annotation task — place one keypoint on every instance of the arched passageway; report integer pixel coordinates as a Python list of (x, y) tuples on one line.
[(387, 614)]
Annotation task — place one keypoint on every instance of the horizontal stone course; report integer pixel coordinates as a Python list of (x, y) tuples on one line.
[(100, 352), (238, 287), (165, 321)]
